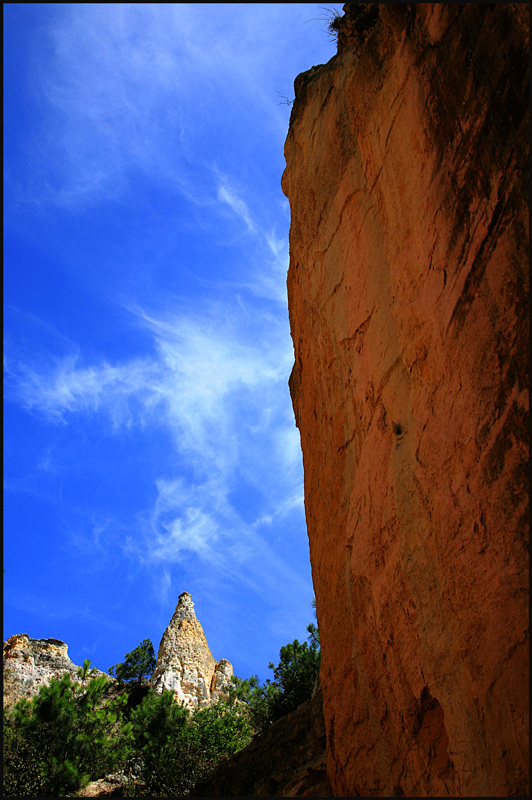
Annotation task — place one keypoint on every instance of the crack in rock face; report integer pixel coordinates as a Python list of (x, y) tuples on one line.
[(185, 664)]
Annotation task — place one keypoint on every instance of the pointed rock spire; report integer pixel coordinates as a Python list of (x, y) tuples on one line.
[(185, 664)]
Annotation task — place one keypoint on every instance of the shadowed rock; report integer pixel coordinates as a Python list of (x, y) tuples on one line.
[(288, 760)]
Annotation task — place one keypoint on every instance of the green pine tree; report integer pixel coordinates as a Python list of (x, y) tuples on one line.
[(69, 734), (138, 664)]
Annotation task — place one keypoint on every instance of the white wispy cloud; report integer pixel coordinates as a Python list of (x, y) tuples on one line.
[(172, 108), (138, 86), (226, 195), (47, 463), (177, 525), (165, 586), (66, 387), (217, 389), (268, 278)]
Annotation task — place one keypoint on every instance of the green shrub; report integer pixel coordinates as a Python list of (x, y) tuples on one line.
[(157, 726), (312, 630), (293, 682), (64, 737), (257, 698), (23, 773), (138, 664), (222, 729), (176, 748), (295, 676)]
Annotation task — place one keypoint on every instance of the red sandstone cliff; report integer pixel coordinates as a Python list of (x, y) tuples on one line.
[(407, 175)]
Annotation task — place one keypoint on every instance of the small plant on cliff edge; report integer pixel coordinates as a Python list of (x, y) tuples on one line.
[(332, 19), (352, 26), (138, 664), (334, 22), (312, 630), (284, 100)]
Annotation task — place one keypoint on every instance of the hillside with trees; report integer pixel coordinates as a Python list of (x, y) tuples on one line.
[(73, 733)]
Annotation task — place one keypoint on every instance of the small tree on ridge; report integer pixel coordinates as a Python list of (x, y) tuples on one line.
[(138, 664)]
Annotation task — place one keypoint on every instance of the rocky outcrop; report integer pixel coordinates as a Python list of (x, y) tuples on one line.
[(31, 663), (288, 760), (185, 665), (110, 786), (407, 175)]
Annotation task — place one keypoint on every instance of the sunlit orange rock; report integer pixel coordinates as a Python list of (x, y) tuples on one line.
[(407, 175)]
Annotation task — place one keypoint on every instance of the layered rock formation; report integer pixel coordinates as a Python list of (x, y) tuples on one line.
[(185, 665), (287, 760), (31, 663), (408, 297)]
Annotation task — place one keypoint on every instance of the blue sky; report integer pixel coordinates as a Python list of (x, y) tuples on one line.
[(149, 439)]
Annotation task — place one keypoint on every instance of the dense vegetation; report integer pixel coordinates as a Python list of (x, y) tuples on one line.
[(70, 734), (73, 732), (176, 748), (292, 684), (64, 736)]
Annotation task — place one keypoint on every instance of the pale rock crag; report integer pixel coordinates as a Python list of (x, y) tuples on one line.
[(32, 663), (185, 664)]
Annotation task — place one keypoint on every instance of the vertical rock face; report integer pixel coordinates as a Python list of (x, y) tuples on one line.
[(31, 663), (408, 296), (185, 665)]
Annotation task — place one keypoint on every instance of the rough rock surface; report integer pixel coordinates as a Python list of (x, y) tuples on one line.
[(185, 665), (30, 663), (110, 786), (407, 175), (288, 760)]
